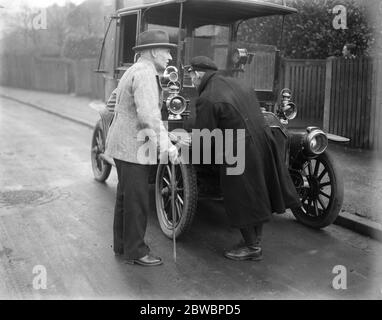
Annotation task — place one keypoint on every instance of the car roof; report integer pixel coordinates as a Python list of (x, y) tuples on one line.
[(218, 11)]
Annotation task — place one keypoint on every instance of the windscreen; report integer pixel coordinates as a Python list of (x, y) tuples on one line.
[(214, 42), (211, 41)]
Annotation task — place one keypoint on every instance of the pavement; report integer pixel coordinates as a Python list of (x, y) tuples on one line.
[(362, 169)]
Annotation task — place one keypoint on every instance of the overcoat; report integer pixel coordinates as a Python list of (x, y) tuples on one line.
[(265, 185), (137, 116)]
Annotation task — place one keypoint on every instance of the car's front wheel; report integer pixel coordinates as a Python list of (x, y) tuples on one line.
[(320, 186), (185, 199)]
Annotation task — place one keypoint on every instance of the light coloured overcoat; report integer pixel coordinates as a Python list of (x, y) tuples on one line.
[(137, 124)]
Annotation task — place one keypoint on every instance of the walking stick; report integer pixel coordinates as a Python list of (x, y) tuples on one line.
[(173, 186)]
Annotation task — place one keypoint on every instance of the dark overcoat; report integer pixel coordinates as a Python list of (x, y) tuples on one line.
[(265, 185)]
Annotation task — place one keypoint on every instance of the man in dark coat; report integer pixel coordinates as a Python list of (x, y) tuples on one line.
[(265, 185)]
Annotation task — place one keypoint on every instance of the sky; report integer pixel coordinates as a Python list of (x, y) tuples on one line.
[(14, 4)]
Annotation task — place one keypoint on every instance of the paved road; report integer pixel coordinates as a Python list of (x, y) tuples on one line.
[(53, 214)]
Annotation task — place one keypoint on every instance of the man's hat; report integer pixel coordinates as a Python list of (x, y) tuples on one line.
[(154, 38), (201, 63)]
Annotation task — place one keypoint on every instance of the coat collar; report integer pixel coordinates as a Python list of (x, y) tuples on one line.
[(207, 76), (148, 62)]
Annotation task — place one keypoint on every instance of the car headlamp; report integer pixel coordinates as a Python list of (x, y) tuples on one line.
[(241, 56), (176, 105), (289, 110), (170, 75), (286, 94), (315, 142)]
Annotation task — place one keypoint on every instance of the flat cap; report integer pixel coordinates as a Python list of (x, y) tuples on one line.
[(201, 63)]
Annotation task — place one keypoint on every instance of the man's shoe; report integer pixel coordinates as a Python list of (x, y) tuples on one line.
[(148, 260), (245, 253)]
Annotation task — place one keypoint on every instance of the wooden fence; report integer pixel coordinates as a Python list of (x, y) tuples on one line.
[(376, 104), (342, 96), (51, 74), (17, 71), (352, 101), (260, 73), (88, 83), (306, 79)]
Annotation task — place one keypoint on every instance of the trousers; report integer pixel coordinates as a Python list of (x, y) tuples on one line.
[(252, 235), (132, 207)]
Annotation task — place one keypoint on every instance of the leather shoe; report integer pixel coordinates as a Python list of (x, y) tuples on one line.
[(245, 253), (148, 260)]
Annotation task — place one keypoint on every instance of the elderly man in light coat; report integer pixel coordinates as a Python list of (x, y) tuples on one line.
[(137, 119)]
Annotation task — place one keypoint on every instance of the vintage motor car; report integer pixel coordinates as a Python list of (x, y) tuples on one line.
[(210, 28)]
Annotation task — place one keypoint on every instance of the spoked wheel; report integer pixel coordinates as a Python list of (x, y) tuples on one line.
[(101, 169), (320, 186), (186, 196)]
